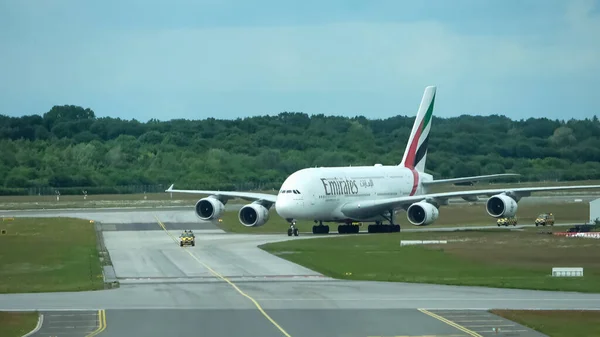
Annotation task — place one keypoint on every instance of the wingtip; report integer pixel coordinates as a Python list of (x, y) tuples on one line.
[(170, 188)]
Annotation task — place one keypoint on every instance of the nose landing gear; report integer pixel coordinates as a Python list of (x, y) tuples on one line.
[(292, 230)]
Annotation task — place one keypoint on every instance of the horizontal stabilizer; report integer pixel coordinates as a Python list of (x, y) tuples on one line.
[(468, 179)]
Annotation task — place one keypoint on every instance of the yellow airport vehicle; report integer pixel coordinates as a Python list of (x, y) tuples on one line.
[(545, 219), (187, 238), (507, 221)]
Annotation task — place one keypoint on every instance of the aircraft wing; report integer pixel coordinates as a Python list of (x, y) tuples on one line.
[(251, 196), (382, 205), (469, 179)]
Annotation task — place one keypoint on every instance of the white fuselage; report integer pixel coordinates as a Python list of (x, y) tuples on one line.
[(319, 193)]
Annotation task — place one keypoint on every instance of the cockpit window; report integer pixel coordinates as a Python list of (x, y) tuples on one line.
[(290, 191)]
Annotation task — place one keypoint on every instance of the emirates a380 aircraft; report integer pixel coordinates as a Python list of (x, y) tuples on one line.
[(344, 195)]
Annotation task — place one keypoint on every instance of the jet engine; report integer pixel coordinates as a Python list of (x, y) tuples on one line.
[(501, 205), (253, 215), (422, 213), (209, 208)]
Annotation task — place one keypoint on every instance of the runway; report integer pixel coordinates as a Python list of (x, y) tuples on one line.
[(225, 285)]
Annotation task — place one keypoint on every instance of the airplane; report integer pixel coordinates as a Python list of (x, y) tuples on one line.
[(346, 195)]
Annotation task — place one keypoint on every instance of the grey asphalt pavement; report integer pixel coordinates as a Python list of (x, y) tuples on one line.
[(204, 226), (143, 256), (68, 323), (296, 323), (301, 294)]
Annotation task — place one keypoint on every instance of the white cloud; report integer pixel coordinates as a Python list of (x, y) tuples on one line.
[(342, 56)]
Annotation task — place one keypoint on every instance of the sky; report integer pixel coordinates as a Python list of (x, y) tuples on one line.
[(198, 59)]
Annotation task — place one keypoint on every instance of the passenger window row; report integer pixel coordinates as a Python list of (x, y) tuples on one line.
[(290, 191)]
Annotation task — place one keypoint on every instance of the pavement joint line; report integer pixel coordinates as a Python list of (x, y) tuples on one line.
[(449, 322), (57, 315), (475, 320), (262, 311), (101, 323)]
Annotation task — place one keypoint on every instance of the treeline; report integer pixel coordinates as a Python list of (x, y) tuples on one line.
[(70, 147)]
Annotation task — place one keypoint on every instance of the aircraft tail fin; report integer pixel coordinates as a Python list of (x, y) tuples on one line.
[(415, 153)]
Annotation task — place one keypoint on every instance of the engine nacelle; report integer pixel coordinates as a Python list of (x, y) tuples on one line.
[(422, 213), (253, 215), (209, 208), (501, 206)]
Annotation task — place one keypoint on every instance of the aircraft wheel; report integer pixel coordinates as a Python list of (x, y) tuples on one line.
[(295, 231), (289, 232)]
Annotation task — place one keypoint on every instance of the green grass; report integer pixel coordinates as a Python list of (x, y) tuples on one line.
[(498, 258), (49, 254), (451, 215), (557, 323), (17, 324)]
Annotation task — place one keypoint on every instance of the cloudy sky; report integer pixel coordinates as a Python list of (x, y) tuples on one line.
[(226, 59)]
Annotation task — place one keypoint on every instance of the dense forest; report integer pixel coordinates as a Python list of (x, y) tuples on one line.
[(68, 148)]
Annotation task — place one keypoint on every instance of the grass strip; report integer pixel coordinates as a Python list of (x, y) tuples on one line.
[(48, 254), (498, 258), (17, 324), (557, 323)]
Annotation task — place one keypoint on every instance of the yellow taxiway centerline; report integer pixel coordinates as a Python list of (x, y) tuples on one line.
[(449, 322), (226, 280), (101, 323)]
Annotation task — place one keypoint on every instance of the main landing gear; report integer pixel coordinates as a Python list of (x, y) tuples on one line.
[(342, 229), (293, 230), (320, 229), (378, 227), (348, 229)]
